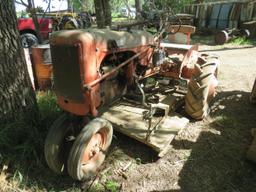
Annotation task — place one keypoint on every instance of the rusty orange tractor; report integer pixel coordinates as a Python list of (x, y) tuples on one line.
[(129, 79)]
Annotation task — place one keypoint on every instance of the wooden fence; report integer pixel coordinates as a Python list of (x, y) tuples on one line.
[(222, 14)]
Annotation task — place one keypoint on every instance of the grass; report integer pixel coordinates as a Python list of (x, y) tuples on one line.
[(21, 146), (242, 41), (112, 186), (202, 40), (209, 40), (22, 164), (117, 17)]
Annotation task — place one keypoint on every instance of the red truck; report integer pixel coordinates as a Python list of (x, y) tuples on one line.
[(27, 30)]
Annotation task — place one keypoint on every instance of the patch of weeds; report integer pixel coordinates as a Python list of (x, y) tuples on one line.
[(21, 144), (224, 121), (115, 15), (202, 40), (18, 175), (242, 41), (48, 108), (97, 187), (112, 186), (151, 30)]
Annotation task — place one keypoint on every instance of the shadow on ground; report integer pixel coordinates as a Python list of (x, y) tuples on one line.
[(217, 160)]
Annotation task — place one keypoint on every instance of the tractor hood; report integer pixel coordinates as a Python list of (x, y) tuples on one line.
[(104, 39)]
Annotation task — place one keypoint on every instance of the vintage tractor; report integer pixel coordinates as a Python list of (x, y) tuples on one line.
[(129, 79)]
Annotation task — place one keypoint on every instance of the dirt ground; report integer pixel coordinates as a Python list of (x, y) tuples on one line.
[(207, 155)]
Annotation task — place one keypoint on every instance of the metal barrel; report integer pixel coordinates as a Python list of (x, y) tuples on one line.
[(42, 64)]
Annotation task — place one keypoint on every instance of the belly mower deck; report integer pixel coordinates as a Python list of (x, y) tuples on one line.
[(156, 131)]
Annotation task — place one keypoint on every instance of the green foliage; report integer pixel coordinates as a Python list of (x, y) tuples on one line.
[(48, 107), (117, 4), (22, 139), (112, 186), (21, 143), (242, 41), (115, 15), (175, 5), (178, 6), (87, 4)]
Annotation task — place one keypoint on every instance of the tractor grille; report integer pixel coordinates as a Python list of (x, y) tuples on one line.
[(66, 72)]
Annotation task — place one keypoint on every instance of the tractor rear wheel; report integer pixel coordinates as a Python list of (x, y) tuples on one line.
[(56, 146), (201, 88), (89, 149)]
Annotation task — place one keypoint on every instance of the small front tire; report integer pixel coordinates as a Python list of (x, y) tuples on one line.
[(89, 149)]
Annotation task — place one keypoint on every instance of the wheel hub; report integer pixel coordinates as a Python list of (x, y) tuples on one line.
[(93, 148)]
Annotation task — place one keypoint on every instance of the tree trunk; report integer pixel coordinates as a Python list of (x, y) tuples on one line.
[(70, 6), (100, 19), (103, 13), (107, 12), (17, 98), (138, 5)]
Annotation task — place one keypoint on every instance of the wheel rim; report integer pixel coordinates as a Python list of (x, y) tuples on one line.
[(28, 42), (24, 42), (221, 37), (94, 148)]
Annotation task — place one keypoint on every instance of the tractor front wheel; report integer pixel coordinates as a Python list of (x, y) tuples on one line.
[(89, 149)]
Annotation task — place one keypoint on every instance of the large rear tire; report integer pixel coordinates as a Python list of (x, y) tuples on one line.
[(89, 149), (201, 88)]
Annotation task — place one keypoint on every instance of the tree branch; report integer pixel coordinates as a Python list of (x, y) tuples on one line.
[(21, 3), (47, 8)]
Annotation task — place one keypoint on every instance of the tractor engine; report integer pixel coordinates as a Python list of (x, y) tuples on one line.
[(85, 66), (116, 84)]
